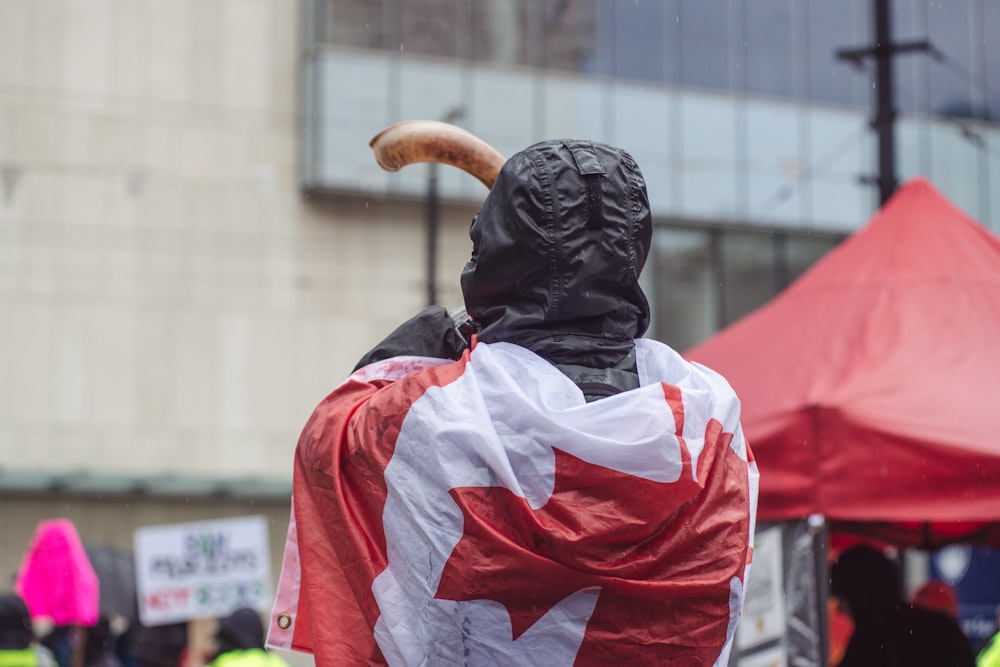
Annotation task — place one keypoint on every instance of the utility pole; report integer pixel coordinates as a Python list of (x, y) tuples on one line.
[(433, 215), (883, 52)]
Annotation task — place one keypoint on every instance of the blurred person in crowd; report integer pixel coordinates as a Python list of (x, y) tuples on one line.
[(99, 645), (96, 644), (839, 630), (888, 631), (240, 639), (60, 641), (936, 595), (18, 647), (160, 646)]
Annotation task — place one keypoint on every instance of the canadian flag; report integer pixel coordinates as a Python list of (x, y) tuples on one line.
[(481, 512)]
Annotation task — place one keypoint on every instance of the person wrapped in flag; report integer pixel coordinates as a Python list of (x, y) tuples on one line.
[(538, 485)]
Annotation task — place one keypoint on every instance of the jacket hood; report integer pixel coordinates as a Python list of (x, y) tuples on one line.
[(15, 623), (158, 646), (241, 630), (868, 581), (558, 247)]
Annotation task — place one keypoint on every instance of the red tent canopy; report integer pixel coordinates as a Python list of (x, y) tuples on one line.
[(871, 385)]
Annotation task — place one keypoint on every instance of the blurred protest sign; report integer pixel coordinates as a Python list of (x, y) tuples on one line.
[(200, 570)]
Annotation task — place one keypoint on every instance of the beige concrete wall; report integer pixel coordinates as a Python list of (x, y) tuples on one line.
[(169, 301)]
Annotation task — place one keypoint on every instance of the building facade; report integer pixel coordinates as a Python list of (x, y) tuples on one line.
[(754, 136), (196, 244)]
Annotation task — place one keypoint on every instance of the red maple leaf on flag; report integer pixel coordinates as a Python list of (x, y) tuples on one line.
[(662, 554)]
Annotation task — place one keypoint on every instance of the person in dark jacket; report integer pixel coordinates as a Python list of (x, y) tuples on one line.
[(18, 647), (888, 631), (240, 642), (99, 645), (157, 646), (563, 491)]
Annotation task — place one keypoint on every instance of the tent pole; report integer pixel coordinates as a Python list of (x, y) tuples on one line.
[(821, 540)]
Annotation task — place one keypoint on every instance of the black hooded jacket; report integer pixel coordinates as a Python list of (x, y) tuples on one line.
[(15, 623), (240, 631), (558, 247)]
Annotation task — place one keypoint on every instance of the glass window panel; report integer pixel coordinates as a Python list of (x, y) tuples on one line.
[(748, 272), (908, 19), (642, 117), (909, 22), (358, 23), (802, 251), (769, 40), (989, 52), (569, 34), (505, 31), (773, 135), (708, 169), (707, 57), (638, 44), (842, 203), (709, 123), (672, 31), (842, 149), (955, 161), (333, 135), (912, 148), (949, 85), (833, 26), (776, 166), (684, 296), (775, 198), (428, 89), (492, 112), (573, 107), (841, 143), (430, 27), (991, 217)]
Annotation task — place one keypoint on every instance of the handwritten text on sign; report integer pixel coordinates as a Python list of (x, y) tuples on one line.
[(201, 570)]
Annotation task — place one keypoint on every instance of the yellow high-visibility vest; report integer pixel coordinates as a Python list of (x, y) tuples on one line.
[(253, 657), (990, 655), (25, 657)]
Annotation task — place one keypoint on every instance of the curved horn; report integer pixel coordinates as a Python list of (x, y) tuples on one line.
[(434, 141)]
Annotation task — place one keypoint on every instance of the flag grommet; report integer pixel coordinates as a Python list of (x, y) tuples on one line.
[(284, 621)]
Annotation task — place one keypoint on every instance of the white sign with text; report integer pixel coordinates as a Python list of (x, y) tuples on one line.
[(764, 608), (206, 569)]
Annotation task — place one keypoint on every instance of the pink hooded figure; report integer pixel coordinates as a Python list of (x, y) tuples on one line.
[(56, 579)]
